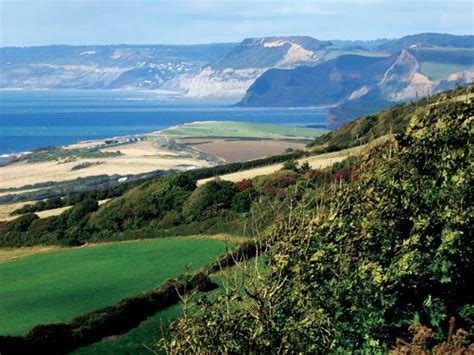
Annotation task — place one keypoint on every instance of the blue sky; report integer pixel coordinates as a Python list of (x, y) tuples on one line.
[(38, 22)]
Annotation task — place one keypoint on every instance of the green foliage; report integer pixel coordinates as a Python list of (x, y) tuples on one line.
[(143, 204), (290, 165), (370, 257), (369, 122), (242, 201), (210, 200), (85, 165), (305, 168)]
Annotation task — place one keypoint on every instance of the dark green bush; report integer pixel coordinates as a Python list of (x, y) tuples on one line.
[(210, 200)]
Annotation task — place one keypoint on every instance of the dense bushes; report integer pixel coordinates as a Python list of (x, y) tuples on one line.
[(152, 209), (65, 229), (209, 200), (72, 194), (143, 204), (392, 247)]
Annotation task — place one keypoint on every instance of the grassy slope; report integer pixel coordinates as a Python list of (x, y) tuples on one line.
[(57, 286), (242, 130), (142, 339)]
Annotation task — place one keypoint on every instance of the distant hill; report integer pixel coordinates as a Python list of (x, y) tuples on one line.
[(102, 67), (427, 39), (228, 70), (233, 74), (354, 85), (326, 84)]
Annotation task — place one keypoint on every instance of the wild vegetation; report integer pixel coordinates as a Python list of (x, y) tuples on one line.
[(353, 264)]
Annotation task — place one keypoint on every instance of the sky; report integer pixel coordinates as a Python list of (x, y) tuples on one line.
[(42, 22)]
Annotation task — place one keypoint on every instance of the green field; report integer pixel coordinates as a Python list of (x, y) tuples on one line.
[(243, 130), (59, 285), (436, 71)]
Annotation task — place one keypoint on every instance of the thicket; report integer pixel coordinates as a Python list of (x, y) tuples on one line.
[(353, 264)]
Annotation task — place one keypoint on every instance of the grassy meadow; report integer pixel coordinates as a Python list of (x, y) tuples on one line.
[(243, 130), (59, 285)]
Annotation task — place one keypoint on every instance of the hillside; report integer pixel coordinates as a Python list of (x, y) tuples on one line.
[(390, 121), (378, 260), (102, 67), (427, 40)]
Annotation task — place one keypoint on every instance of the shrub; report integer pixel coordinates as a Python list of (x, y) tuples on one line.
[(291, 165), (242, 201), (244, 184)]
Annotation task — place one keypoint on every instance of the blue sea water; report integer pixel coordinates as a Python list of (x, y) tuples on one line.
[(33, 119)]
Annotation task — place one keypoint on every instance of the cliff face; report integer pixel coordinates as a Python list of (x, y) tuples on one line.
[(231, 76), (102, 67), (357, 85)]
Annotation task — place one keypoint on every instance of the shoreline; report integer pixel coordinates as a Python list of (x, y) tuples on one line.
[(7, 158)]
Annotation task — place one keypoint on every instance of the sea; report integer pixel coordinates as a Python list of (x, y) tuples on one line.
[(36, 119)]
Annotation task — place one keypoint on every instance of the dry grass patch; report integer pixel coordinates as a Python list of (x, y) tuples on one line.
[(317, 162), (21, 174), (5, 210)]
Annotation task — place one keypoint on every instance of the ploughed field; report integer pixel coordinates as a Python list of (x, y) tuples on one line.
[(59, 284), (232, 151)]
